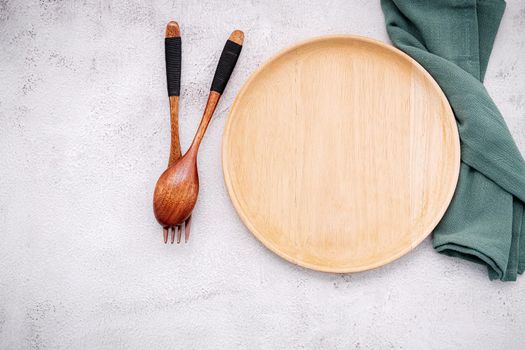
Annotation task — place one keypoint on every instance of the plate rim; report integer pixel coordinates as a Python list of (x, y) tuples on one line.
[(275, 248)]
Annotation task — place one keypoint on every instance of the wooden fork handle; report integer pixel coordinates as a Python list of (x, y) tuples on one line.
[(173, 53)]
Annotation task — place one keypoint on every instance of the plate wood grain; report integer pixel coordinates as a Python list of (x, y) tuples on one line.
[(341, 154)]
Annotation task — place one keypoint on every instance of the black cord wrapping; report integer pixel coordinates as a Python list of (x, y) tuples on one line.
[(172, 47), (227, 62)]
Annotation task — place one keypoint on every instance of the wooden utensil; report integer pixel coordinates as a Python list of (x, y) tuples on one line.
[(173, 54), (177, 188), (341, 154)]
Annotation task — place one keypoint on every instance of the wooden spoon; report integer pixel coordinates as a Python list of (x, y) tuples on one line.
[(177, 188)]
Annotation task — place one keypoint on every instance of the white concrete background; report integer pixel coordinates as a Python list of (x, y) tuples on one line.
[(84, 135)]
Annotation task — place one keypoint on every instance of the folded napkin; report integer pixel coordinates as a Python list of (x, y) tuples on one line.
[(453, 40)]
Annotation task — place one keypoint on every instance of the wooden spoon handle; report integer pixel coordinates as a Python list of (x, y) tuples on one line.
[(227, 61), (173, 53)]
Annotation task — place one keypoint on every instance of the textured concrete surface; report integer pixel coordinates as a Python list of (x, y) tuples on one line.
[(83, 136)]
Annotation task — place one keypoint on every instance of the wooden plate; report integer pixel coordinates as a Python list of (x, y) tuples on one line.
[(341, 154)]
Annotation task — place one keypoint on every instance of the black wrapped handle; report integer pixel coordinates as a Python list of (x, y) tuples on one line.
[(173, 53), (227, 62)]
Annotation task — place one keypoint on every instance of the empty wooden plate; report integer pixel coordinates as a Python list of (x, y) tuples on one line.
[(341, 154)]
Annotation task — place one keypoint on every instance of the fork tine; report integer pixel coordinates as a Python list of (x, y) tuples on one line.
[(187, 225), (173, 228), (165, 233), (179, 233)]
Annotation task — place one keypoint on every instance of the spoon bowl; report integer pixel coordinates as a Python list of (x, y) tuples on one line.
[(176, 191)]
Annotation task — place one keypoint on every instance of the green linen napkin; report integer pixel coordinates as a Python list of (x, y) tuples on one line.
[(453, 40)]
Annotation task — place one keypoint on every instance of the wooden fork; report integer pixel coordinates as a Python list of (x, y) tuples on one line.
[(173, 53)]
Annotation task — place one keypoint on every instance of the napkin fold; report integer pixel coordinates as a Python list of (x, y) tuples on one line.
[(453, 40)]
